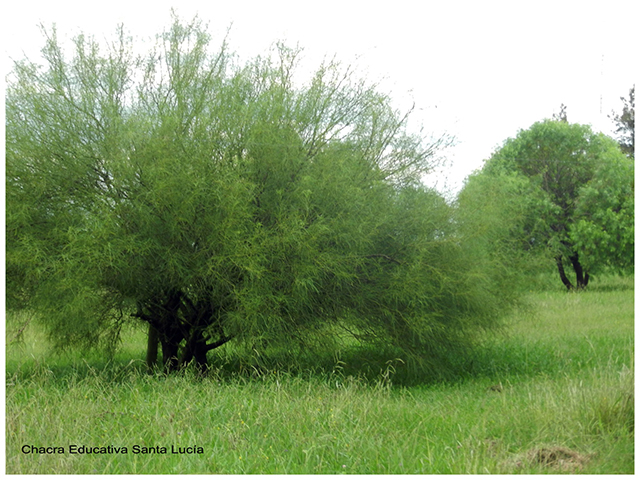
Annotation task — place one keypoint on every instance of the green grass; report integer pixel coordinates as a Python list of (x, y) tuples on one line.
[(553, 393)]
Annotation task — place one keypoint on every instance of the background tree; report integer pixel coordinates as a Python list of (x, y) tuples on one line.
[(562, 115), (626, 124), (560, 166), (603, 228), (216, 202), (503, 221)]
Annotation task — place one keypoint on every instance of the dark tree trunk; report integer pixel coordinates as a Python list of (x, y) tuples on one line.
[(170, 355), (199, 353), (152, 349), (170, 331), (582, 278), (563, 276), (178, 324)]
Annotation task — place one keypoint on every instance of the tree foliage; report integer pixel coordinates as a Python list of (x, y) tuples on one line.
[(570, 196), (502, 218), (626, 124), (603, 230), (217, 201)]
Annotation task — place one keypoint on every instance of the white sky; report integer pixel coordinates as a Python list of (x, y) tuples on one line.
[(480, 70)]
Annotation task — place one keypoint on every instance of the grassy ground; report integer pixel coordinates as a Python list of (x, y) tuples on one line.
[(552, 394)]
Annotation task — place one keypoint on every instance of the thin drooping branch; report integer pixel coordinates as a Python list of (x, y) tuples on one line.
[(386, 257), (16, 337)]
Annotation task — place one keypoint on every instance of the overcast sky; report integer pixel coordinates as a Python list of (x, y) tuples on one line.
[(479, 70)]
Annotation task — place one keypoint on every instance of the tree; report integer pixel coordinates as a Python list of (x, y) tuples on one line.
[(562, 115), (502, 217), (626, 125), (565, 211), (603, 227), (220, 202)]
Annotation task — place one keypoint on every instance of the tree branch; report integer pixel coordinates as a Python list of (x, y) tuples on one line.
[(217, 344), (386, 257)]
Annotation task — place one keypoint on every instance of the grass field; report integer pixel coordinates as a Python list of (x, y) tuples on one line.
[(553, 393)]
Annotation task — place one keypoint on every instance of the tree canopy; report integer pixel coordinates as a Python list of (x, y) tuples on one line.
[(570, 196), (219, 201)]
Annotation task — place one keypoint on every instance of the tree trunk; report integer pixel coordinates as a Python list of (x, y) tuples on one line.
[(170, 356), (195, 349), (200, 355), (152, 349), (563, 275), (582, 278), (172, 321)]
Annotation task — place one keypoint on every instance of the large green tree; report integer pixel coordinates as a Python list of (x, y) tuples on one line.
[(217, 201), (569, 195)]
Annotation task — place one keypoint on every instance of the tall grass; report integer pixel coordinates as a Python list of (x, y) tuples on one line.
[(553, 393)]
